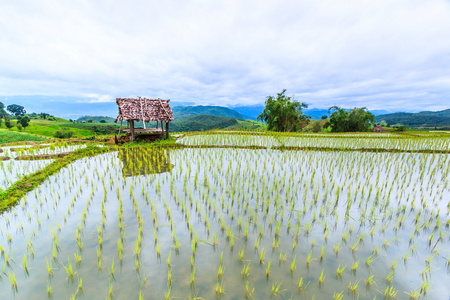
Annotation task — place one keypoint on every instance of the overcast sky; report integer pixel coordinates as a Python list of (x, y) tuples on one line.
[(382, 54)]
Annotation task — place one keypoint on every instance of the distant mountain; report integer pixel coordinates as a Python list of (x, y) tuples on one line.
[(179, 111), (428, 119), (249, 111)]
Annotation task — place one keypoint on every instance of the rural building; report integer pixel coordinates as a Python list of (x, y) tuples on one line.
[(146, 110)]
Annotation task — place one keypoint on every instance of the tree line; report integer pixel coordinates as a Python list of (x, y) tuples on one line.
[(283, 113), (18, 113)]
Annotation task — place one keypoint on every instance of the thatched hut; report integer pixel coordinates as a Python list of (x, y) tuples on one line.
[(146, 110)]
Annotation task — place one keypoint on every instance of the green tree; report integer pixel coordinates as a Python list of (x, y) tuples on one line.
[(355, 120), (284, 113), (8, 123), (16, 109), (2, 110), (316, 127), (24, 121)]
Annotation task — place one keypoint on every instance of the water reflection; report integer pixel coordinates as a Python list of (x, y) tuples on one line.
[(144, 161)]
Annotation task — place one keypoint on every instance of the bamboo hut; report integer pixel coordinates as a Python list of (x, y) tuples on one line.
[(146, 110)]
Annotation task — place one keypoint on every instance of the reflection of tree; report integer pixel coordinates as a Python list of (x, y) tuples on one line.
[(144, 161)]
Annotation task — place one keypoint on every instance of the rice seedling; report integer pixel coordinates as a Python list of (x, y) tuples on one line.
[(12, 280), (355, 266), (69, 269), (191, 282), (340, 270), (390, 292), (248, 293), (275, 289), (370, 281), (245, 271), (49, 268), (293, 267), (220, 289), (338, 296), (321, 278)]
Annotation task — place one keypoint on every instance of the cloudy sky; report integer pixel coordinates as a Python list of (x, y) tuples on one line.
[(381, 54)]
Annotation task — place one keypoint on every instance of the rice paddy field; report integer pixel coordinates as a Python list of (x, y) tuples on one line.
[(211, 222), (12, 170)]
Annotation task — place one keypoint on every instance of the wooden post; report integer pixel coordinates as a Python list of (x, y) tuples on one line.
[(132, 130), (167, 130)]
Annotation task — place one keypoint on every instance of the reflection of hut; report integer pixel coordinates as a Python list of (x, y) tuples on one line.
[(144, 161), (146, 110)]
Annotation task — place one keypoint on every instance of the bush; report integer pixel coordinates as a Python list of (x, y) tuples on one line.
[(316, 128), (102, 121), (63, 134), (19, 126)]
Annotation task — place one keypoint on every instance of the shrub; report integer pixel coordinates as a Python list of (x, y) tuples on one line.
[(316, 128), (63, 134)]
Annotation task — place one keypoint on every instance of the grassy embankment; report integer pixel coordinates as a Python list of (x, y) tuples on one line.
[(7, 136)]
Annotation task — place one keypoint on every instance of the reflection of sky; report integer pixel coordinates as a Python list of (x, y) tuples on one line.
[(383, 54)]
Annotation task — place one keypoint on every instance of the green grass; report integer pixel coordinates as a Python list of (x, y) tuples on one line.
[(48, 128), (7, 136)]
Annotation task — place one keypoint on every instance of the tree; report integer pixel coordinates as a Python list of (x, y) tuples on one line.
[(2, 110), (316, 127), (16, 109), (102, 121), (355, 120), (284, 113), (8, 122), (24, 121)]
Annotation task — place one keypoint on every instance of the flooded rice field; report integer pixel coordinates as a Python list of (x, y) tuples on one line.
[(336, 141), (233, 224)]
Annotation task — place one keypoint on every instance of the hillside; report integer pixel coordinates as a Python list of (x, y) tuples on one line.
[(179, 111), (96, 119), (201, 123), (425, 119)]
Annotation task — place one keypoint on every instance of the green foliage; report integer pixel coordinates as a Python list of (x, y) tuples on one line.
[(179, 111), (24, 122), (317, 127), (17, 110), (63, 134), (2, 110), (355, 120), (201, 123), (8, 123), (283, 113), (19, 126), (13, 136)]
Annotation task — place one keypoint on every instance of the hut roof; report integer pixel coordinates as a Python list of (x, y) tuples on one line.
[(143, 109)]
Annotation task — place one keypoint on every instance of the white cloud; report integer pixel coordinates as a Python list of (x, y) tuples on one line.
[(376, 53)]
